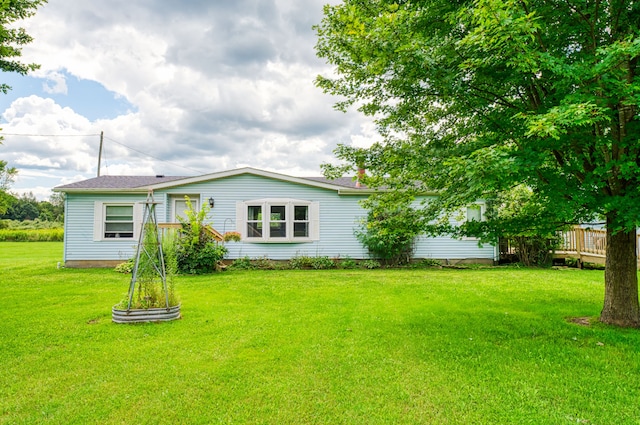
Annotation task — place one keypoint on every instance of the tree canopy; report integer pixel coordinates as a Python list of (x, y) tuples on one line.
[(12, 39), (474, 98), (7, 175)]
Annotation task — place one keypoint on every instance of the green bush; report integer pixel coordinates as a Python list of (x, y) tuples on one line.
[(390, 228), (347, 263), (264, 263), (197, 251), (243, 263), (199, 258), (427, 263), (370, 264), (322, 263), (300, 262), (126, 267)]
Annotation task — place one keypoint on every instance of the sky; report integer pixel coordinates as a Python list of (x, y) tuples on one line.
[(177, 88)]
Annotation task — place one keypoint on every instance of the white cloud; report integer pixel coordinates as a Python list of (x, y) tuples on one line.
[(215, 85), (56, 82)]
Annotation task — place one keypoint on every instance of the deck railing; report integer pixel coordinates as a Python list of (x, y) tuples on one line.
[(168, 227), (580, 240), (589, 245)]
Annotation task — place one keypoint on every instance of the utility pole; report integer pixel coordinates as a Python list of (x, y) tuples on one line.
[(100, 151)]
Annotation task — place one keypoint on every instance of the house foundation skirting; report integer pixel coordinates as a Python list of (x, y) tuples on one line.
[(90, 264)]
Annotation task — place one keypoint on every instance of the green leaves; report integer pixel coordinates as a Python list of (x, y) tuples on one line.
[(474, 98), (12, 38), (561, 120)]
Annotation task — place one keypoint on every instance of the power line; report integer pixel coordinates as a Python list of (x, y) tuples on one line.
[(48, 135), (108, 138), (154, 157)]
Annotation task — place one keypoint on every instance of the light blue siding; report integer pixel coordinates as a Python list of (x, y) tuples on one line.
[(79, 229), (339, 216)]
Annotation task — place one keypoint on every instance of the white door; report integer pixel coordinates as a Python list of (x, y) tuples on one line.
[(180, 206)]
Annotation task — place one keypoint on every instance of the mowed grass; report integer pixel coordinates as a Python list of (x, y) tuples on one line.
[(487, 346)]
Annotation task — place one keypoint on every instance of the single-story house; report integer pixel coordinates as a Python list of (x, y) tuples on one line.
[(278, 216)]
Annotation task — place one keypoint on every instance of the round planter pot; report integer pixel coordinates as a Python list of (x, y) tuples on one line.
[(145, 315)]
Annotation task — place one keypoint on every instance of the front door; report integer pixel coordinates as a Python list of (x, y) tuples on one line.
[(179, 205)]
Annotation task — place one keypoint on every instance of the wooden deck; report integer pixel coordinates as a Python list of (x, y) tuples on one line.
[(585, 245)]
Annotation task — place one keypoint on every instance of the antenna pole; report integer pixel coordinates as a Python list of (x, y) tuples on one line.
[(100, 151)]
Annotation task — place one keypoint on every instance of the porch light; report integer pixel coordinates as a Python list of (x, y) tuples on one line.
[(211, 202)]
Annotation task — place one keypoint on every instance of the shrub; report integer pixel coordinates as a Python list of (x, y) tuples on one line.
[(370, 264), (199, 258), (243, 263), (427, 263), (125, 267), (264, 263), (322, 263), (197, 251), (390, 229), (300, 262), (347, 263)]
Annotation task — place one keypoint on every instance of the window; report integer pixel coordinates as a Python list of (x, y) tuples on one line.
[(474, 213), (115, 221), (278, 220), (118, 221), (254, 221), (300, 221)]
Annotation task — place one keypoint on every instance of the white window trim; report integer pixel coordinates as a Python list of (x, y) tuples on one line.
[(99, 215), (314, 219)]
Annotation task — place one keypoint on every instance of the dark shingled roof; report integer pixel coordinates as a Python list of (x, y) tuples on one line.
[(119, 182), (140, 182)]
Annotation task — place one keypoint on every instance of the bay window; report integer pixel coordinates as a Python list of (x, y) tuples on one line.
[(278, 220)]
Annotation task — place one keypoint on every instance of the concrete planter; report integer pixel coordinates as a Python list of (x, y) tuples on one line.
[(145, 315)]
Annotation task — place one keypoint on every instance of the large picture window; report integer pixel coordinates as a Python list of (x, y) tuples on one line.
[(278, 220)]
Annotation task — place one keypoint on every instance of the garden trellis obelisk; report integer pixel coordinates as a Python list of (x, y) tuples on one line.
[(149, 259)]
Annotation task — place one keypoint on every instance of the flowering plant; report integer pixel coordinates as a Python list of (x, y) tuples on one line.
[(232, 236)]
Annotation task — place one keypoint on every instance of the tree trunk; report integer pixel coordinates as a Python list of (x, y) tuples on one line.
[(621, 280)]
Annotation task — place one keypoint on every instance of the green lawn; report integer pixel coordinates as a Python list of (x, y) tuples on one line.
[(485, 346)]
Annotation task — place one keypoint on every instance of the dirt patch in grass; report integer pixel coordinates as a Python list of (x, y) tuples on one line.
[(582, 321)]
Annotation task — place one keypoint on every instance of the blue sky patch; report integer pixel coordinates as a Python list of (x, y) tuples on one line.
[(87, 98)]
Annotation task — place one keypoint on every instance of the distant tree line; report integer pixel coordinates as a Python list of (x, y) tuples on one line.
[(27, 207)]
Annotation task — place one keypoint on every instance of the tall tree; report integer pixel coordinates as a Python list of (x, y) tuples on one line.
[(476, 97), (11, 41), (7, 175)]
